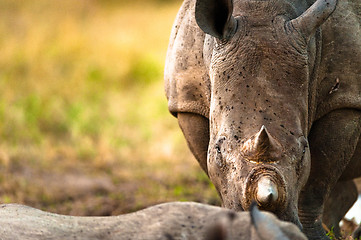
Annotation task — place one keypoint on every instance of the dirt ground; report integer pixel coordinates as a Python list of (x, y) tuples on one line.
[(81, 193)]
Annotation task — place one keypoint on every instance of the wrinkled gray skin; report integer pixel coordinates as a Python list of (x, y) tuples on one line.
[(191, 221), (260, 86)]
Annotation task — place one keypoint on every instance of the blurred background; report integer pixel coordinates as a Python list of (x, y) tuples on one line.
[(84, 125)]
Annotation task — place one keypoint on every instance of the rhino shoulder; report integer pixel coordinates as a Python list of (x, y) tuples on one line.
[(186, 79), (339, 81)]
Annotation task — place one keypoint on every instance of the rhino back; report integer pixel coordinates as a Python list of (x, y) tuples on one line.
[(339, 76), (187, 83)]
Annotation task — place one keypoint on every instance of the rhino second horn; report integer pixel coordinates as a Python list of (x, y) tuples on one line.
[(264, 144), (262, 140), (262, 147), (267, 193)]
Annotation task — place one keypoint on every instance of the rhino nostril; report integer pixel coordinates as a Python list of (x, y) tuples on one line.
[(267, 192)]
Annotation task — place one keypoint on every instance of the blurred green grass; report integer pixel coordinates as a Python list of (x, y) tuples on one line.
[(84, 125)]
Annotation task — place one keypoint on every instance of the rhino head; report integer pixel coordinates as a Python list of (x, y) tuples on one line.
[(260, 56)]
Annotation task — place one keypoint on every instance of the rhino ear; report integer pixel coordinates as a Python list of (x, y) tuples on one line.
[(313, 17), (215, 18)]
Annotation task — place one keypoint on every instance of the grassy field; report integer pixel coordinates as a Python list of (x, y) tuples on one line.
[(84, 125)]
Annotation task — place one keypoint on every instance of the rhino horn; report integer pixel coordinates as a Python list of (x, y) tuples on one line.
[(262, 141), (267, 192), (215, 18), (313, 17)]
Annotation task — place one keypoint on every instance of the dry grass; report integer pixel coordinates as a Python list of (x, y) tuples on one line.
[(84, 125)]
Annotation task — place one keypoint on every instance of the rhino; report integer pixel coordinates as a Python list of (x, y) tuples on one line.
[(268, 96), (167, 221)]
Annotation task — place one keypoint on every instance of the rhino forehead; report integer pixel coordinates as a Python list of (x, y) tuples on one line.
[(268, 9), (246, 55)]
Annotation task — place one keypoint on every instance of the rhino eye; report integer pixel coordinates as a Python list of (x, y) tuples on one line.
[(303, 143), (304, 149), (219, 145), (218, 149), (219, 158)]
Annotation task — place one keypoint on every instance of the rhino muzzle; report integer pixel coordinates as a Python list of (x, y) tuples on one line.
[(266, 186)]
